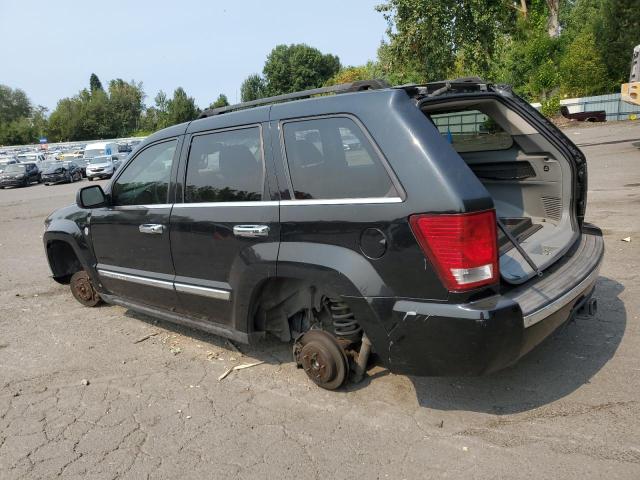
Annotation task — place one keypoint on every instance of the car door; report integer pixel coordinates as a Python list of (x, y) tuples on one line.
[(225, 233), (131, 236), (31, 172)]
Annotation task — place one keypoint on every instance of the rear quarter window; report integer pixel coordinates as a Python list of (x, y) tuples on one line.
[(331, 158), (471, 131)]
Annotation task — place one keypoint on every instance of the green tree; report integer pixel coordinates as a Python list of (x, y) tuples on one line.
[(17, 117), (181, 108), (93, 114), (620, 32), (94, 83), (14, 104), (582, 70), (253, 88), (149, 120), (353, 74), (156, 117), (427, 37), (64, 120), (221, 101), (125, 105), (290, 68)]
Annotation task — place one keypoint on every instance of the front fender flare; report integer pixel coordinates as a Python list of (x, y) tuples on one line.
[(69, 232)]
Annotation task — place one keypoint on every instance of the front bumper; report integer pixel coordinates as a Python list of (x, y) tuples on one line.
[(101, 174), (12, 182), (54, 178), (480, 337)]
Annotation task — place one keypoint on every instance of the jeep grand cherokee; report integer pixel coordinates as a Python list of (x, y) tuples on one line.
[(440, 226)]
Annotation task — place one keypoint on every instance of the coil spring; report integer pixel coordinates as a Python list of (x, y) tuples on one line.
[(344, 323)]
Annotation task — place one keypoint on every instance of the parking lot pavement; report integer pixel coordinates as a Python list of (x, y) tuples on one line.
[(83, 394)]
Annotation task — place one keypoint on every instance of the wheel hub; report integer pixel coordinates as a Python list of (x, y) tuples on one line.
[(322, 358), (83, 290)]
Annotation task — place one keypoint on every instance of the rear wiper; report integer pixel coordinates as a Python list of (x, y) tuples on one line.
[(518, 247)]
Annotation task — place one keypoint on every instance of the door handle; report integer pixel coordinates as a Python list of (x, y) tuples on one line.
[(151, 228), (251, 231)]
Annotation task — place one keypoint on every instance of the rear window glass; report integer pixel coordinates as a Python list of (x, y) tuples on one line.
[(225, 167), (471, 131), (331, 158)]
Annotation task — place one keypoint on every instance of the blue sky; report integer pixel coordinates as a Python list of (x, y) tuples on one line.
[(49, 48)]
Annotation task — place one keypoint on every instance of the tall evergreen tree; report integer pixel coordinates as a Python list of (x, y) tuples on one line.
[(94, 83)]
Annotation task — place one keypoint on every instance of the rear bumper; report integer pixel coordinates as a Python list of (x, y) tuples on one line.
[(493, 333)]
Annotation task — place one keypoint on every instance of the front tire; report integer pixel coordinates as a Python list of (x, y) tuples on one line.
[(82, 289)]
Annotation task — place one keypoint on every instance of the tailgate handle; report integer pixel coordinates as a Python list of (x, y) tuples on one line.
[(151, 228), (251, 231)]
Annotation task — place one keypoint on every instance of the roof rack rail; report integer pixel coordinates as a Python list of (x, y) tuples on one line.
[(433, 89), (358, 86)]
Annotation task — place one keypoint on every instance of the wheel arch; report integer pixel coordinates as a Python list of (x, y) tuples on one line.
[(327, 270), (67, 251)]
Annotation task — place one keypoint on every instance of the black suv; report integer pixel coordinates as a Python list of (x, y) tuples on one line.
[(439, 226)]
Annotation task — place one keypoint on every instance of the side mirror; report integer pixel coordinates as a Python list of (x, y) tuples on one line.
[(91, 197)]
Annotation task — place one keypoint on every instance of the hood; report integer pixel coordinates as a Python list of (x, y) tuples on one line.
[(55, 169)]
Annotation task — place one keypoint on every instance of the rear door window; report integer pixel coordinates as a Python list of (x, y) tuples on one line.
[(331, 158), (471, 131), (225, 167)]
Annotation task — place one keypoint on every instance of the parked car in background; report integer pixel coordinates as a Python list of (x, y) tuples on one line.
[(71, 155), (99, 149), (124, 148), (20, 175), (36, 157), (61, 172), (78, 158), (5, 161), (103, 166)]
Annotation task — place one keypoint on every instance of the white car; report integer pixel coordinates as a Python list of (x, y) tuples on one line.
[(101, 166)]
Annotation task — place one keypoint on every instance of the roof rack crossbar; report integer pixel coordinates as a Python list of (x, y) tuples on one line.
[(337, 89)]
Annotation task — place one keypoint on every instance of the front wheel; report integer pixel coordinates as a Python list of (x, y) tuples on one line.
[(82, 289)]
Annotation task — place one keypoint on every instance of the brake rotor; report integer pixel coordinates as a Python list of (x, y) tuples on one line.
[(323, 360), (82, 289)]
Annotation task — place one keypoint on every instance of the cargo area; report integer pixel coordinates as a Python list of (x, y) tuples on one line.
[(528, 178)]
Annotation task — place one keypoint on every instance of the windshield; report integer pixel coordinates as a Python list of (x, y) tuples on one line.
[(50, 163), (96, 160), (16, 167), (93, 153), (28, 157)]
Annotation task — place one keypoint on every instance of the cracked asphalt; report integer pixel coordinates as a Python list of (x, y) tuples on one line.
[(82, 395)]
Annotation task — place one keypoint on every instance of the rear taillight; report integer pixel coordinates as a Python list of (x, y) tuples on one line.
[(462, 247)]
